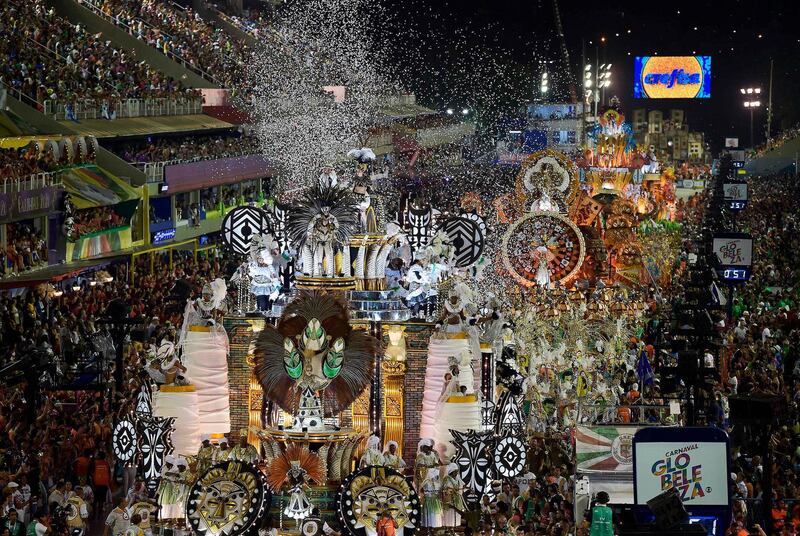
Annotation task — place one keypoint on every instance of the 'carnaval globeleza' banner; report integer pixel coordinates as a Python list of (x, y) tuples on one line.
[(698, 470)]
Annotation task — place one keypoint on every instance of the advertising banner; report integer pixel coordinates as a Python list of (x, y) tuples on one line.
[(734, 250), (697, 470), (29, 203), (672, 77), (605, 449), (206, 173)]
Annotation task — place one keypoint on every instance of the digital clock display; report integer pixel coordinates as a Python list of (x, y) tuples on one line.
[(735, 274)]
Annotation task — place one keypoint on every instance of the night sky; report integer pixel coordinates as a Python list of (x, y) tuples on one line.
[(462, 53)]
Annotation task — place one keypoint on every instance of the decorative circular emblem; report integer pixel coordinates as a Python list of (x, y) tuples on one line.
[(123, 440), (310, 527), (543, 237), (366, 493), (243, 222), (467, 239), (622, 449), (509, 457), (547, 171), (228, 499)]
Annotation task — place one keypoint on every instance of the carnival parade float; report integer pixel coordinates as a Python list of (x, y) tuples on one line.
[(350, 385)]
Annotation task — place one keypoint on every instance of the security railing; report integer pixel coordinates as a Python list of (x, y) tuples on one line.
[(648, 414), (34, 181), (121, 108)]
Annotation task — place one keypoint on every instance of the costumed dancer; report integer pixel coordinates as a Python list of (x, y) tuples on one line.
[(263, 270), (392, 459), (431, 500), (453, 504), (205, 456), (426, 459), (295, 468), (299, 506), (372, 456), (222, 452), (167, 493), (208, 309), (244, 452)]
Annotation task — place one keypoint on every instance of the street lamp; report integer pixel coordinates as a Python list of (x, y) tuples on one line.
[(751, 103), (449, 111), (465, 111)]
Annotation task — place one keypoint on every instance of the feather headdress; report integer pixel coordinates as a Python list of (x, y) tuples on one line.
[(316, 199), (357, 360), (282, 466)]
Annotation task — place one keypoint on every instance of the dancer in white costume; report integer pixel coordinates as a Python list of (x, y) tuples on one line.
[(392, 459), (372, 456), (453, 349), (204, 343), (426, 459), (453, 504), (431, 500)]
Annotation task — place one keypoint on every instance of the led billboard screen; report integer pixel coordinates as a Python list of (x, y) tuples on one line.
[(672, 77)]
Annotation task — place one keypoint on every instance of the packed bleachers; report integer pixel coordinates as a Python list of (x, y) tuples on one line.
[(181, 34), (64, 70), (186, 149)]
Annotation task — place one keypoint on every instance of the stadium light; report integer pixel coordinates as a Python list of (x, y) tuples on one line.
[(751, 105)]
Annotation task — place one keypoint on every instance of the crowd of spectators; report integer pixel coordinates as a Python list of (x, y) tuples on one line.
[(25, 250), (26, 161), (92, 220), (254, 21), (761, 355), (63, 449), (774, 143), (180, 32), (190, 148), (49, 58)]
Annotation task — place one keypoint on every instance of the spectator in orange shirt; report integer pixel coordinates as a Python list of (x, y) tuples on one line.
[(82, 465), (386, 525), (623, 411)]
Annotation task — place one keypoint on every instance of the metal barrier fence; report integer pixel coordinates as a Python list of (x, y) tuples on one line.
[(649, 414), (32, 182), (92, 109)]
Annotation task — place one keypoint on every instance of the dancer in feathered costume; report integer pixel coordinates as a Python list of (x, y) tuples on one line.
[(320, 225), (323, 357), (296, 467)]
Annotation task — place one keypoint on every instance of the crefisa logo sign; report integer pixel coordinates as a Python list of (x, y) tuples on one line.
[(672, 77)]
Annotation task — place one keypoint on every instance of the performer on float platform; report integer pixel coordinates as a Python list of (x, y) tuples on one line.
[(222, 452), (426, 459), (244, 452), (391, 458), (372, 456), (205, 456), (453, 504)]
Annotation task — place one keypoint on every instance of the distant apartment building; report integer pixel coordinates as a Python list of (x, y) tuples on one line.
[(669, 135)]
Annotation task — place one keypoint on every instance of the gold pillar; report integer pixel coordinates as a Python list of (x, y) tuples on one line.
[(393, 393)]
